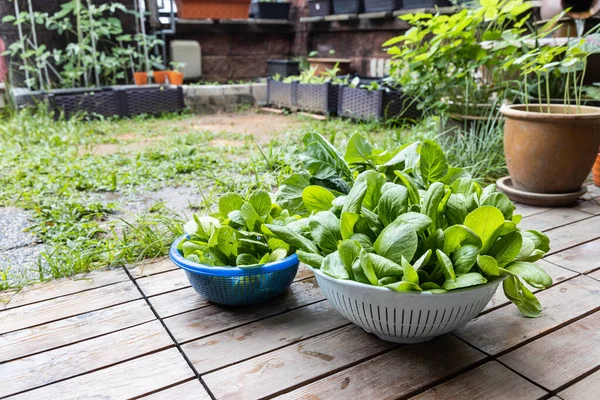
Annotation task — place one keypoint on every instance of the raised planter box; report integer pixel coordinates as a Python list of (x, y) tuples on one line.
[(150, 100), (103, 101), (408, 4), (125, 101), (382, 5), (319, 8), (319, 98), (281, 94), (215, 9), (375, 104), (283, 68), (268, 10), (348, 6)]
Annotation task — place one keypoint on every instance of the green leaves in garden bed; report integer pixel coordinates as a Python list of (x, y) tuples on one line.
[(233, 235), (412, 223)]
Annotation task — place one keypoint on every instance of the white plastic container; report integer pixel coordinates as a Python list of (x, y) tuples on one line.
[(405, 317)]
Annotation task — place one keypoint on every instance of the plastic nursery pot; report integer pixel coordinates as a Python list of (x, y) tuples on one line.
[(140, 78), (550, 152), (175, 77), (405, 317), (160, 76), (596, 170), (234, 286)]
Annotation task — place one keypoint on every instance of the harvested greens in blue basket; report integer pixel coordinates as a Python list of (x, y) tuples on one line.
[(233, 237)]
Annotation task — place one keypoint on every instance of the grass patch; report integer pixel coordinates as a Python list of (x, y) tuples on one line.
[(78, 177)]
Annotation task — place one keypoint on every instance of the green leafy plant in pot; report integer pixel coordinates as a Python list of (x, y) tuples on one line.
[(448, 64), (412, 236), (550, 148)]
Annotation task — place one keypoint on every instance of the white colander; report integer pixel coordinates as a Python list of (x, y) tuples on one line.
[(405, 317)]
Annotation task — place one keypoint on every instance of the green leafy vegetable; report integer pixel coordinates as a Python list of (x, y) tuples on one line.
[(411, 223), (233, 236)]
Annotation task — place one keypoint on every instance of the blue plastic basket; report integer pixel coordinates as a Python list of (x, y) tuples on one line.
[(235, 286)]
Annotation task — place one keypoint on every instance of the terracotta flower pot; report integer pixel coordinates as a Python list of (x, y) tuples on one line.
[(552, 152), (596, 170), (140, 78), (175, 77), (160, 76)]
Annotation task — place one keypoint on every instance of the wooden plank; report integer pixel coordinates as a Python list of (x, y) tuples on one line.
[(593, 190), (66, 331), (274, 372), (217, 351), (272, 110), (586, 389), (190, 390), (591, 206), (67, 306), (572, 235), (490, 381), (208, 320), (317, 117), (303, 273), (65, 362), (126, 380), (558, 275), (177, 302), (560, 357), (552, 219), (527, 210), (163, 283), (396, 374), (505, 328), (152, 268), (61, 287), (583, 258)]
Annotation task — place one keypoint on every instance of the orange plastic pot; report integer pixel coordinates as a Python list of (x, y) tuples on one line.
[(140, 78), (596, 170), (160, 76), (175, 77), (215, 9)]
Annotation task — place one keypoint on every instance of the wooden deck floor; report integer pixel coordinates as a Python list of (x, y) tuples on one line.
[(146, 333)]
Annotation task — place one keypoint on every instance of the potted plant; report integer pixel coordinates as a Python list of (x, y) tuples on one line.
[(457, 71), (160, 76), (319, 8), (215, 9), (413, 238), (270, 9), (375, 101), (228, 258), (318, 93), (175, 75), (561, 138)]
